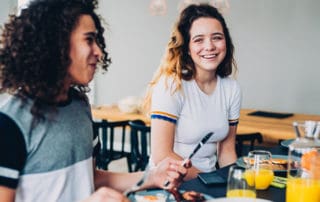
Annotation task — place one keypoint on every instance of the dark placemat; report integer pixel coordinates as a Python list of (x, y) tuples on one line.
[(271, 114), (212, 178)]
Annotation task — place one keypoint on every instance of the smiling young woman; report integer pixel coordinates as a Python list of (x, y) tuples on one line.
[(192, 92)]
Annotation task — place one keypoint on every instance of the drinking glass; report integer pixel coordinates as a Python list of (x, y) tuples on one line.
[(241, 182), (262, 166), (303, 183)]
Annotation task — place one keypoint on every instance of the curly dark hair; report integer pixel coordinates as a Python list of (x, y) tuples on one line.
[(34, 49)]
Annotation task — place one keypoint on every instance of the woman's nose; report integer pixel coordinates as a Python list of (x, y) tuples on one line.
[(209, 45)]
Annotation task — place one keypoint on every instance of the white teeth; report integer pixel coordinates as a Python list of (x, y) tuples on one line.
[(209, 56)]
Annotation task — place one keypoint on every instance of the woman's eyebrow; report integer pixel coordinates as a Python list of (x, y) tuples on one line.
[(213, 34)]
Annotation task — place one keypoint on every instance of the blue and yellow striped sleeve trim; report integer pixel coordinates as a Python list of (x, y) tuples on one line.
[(233, 122), (164, 116)]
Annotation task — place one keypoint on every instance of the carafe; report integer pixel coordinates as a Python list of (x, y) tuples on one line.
[(303, 183)]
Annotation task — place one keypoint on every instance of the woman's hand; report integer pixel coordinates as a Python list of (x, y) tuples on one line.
[(168, 170), (105, 194)]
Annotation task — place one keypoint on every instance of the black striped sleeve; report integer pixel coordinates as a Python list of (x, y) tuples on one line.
[(96, 144), (12, 152)]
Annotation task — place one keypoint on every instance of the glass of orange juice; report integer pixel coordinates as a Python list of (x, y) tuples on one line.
[(303, 183), (262, 166), (302, 189), (241, 182)]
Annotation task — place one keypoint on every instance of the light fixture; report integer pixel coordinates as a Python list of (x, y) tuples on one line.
[(222, 5), (158, 7), (184, 3)]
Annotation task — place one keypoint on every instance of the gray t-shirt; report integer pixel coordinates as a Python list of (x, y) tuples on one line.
[(55, 156)]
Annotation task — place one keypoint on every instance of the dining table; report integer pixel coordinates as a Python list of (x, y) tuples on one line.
[(219, 190), (273, 128)]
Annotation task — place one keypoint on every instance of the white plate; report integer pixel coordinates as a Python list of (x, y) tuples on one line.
[(238, 199), (286, 143), (154, 192), (240, 161)]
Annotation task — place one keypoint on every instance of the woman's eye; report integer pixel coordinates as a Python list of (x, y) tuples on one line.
[(217, 38), (198, 40)]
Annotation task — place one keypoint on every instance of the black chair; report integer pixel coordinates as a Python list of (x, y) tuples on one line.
[(106, 131), (140, 145), (243, 140)]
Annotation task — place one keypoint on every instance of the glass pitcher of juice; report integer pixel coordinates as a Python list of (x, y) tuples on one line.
[(303, 183)]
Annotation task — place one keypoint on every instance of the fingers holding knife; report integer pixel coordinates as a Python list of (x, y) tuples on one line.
[(187, 162)]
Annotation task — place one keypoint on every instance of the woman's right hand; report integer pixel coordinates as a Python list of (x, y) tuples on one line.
[(169, 171), (105, 194)]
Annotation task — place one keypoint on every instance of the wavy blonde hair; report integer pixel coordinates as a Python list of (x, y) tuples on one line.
[(177, 63)]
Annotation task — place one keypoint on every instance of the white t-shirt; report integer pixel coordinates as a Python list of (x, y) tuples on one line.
[(195, 114)]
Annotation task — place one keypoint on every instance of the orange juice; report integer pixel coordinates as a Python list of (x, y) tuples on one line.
[(241, 193), (263, 178), (302, 190), (249, 176)]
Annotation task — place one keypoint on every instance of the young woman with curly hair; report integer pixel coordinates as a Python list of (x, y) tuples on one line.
[(48, 55), (192, 92)]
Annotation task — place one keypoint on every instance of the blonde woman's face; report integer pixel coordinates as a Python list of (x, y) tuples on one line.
[(207, 46)]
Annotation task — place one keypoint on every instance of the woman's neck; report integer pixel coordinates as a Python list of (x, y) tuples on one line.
[(206, 82)]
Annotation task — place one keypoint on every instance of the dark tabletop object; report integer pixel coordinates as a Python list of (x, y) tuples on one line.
[(271, 114)]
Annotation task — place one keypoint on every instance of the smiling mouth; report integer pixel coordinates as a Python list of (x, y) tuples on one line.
[(210, 56)]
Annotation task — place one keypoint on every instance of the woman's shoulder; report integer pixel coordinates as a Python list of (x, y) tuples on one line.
[(168, 85), (167, 82), (229, 81), (230, 85)]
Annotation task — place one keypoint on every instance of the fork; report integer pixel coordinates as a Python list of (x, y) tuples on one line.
[(138, 185)]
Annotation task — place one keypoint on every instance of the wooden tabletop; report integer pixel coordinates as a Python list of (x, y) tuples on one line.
[(112, 113), (272, 129)]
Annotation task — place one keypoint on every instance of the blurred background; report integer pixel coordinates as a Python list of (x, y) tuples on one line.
[(276, 48)]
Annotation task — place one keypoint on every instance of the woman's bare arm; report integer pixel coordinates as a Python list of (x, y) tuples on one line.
[(226, 149), (162, 142)]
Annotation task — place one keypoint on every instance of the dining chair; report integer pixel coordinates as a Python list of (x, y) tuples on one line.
[(110, 150), (243, 140), (140, 145)]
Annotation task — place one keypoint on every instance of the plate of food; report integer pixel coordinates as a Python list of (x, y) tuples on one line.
[(158, 195), (286, 143), (279, 162)]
